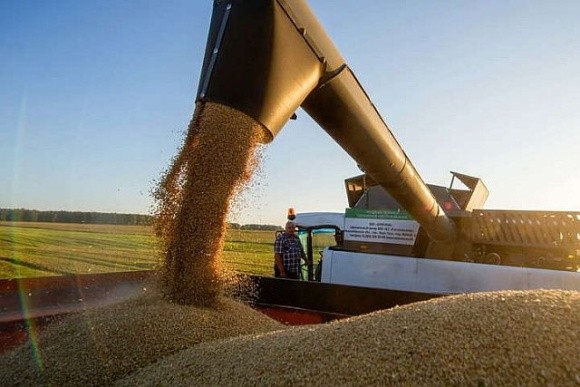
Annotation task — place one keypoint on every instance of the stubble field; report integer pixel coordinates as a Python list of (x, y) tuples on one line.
[(30, 249)]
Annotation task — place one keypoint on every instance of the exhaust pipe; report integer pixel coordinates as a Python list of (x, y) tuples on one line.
[(266, 58)]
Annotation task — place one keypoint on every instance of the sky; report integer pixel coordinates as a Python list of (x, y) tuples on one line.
[(95, 98)]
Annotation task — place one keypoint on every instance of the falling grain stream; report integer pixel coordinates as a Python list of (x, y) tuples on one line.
[(216, 160)]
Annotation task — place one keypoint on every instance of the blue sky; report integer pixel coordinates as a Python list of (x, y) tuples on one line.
[(95, 97)]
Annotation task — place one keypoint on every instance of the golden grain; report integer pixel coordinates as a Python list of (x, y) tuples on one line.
[(216, 161), (99, 346), (502, 338)]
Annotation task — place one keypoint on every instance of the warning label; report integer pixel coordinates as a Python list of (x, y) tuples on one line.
[(380, 227)]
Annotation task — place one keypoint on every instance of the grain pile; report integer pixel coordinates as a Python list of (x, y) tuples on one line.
[(500, 338), (101, 345), (217, 158)]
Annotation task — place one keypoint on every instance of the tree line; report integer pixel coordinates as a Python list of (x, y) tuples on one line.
[(26, 215), (262, 227)]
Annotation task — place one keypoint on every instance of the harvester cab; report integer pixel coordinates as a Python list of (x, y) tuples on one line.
[(316, 231), (315, 240)]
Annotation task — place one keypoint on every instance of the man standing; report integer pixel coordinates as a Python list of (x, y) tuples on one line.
[(287, 253)]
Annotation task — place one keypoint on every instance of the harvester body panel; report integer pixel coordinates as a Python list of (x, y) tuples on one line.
[(435, 276)]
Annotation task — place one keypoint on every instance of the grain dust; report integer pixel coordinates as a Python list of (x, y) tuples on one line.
[(217, 159)]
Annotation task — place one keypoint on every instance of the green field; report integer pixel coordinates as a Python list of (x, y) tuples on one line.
[(29, 249)]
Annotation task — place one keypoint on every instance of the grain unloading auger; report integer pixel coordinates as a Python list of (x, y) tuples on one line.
[(268, 58)]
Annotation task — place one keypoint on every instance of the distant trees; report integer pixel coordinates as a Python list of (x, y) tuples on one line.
[(260, 227), (263, 227), (25, 215)]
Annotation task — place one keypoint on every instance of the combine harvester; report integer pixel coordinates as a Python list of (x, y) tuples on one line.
[(401, 240)]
